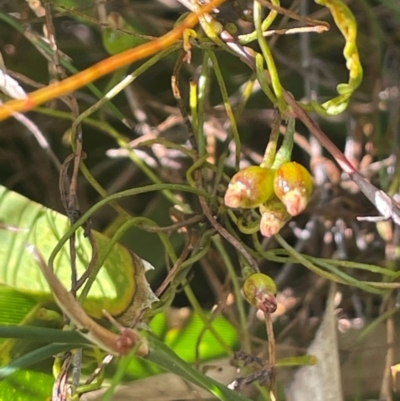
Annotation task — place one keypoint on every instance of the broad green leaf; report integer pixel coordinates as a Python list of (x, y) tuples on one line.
[(14, 306), (26, 222), (184, 341), (26, 385)]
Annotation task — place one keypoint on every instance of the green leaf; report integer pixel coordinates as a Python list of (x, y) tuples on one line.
[(184, 341), (26, 222), (26, 385), (14, 306)]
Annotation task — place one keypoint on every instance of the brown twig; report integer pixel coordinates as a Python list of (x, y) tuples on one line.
[(173, 227), (302, 18), (174, 269), (271, 352), (228, 236)]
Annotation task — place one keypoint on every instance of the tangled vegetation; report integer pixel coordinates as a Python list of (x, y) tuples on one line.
[(247, 150)]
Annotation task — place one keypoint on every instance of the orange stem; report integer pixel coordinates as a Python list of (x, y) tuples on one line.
[(104, 67)]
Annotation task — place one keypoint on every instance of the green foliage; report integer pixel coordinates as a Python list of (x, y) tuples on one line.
[(153, 176), (26, 222)]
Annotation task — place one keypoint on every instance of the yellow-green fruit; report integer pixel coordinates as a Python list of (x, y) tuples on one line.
[(293, 186), (273, 217), (260, 290), (250, 187)]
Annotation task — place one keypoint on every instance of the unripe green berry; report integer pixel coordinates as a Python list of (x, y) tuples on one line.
[(260, 290), (293, 186), (250, 187)]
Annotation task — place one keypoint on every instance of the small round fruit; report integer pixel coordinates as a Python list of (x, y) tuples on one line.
[(293, 186), (250, 187), (260, 290)]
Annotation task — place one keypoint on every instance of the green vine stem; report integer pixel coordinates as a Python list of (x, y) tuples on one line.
[(195, 166), (136, 221), (119, 195), (333, 274), (276, 84), (250, 37), (227, 104), (246, 92), (270, 151), (248, 227), (262, 80), (179, 279), (284, 153), (236, 289), (123, 84)]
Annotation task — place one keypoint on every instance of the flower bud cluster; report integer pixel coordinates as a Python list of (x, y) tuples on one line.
[(279, 193)]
